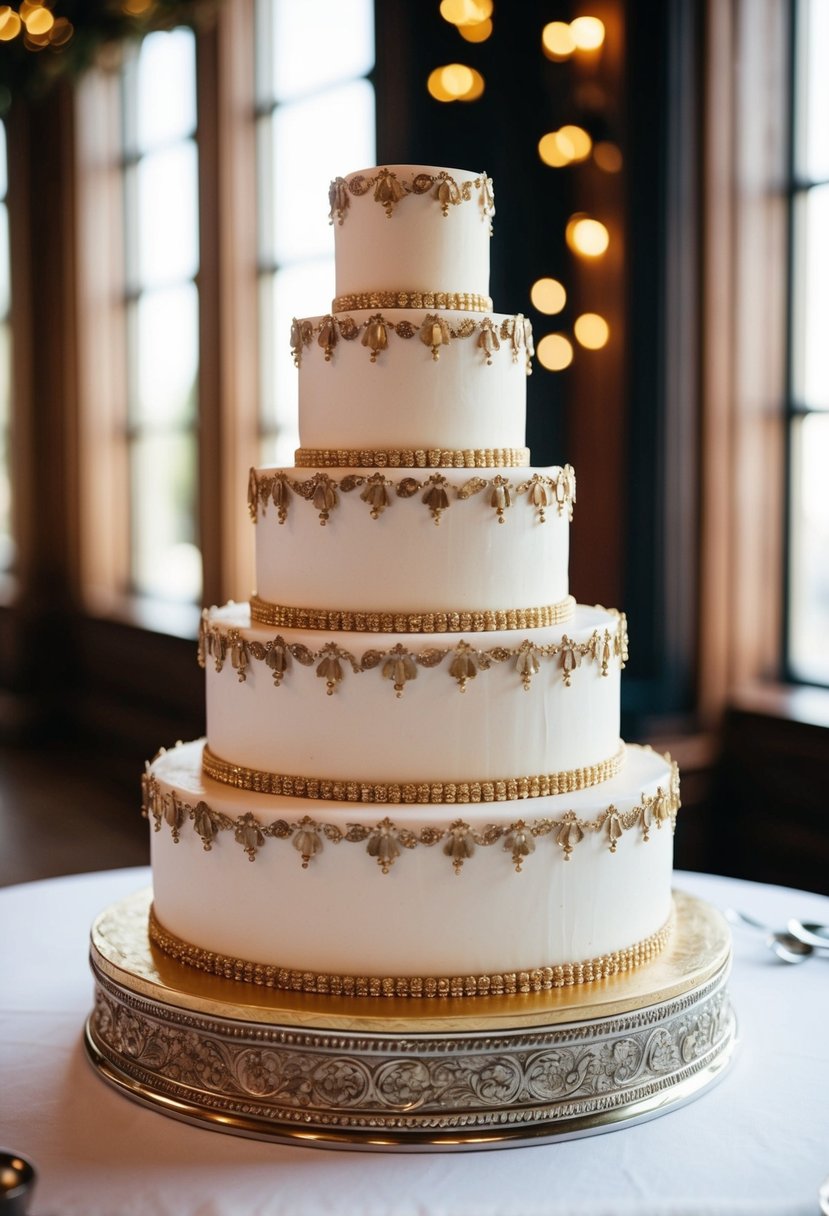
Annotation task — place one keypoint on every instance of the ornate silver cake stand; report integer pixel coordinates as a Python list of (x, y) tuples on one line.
[(411, 1075)]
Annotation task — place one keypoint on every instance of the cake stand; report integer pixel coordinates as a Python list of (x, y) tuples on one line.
[(411, 1075)]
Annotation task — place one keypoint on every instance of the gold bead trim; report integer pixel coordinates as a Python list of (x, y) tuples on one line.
[(379, 491), (508, 789), (400, 664), (389, 190), (452, 301), (412, 458), (282, 617), (386, 841), (537, 979), (433, 330)]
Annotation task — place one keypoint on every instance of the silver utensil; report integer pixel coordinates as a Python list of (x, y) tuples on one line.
[(810, 932), (788, 948), (17, 1180), (794, 944)]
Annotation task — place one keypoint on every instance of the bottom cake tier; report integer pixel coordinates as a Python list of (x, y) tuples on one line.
[(405, 900)]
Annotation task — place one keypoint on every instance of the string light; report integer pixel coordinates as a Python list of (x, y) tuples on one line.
[(586, 236), (608, 156), (455, 82), (548, 296), (477, 32), (466, 12), (555, 352), (574, 141), (587, 33), (10, 24), (557, 40), (591, 330)]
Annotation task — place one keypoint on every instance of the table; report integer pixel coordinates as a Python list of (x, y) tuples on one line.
[(757, 1143)]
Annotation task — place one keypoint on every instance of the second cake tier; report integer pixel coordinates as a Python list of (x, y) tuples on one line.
[(406, 718), (412, 541)]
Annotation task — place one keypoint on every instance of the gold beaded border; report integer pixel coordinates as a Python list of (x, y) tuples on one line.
[(452, 301), (507, 983), (262, 612), (389, 190), (387, 841), (420, 793), (412, 458)]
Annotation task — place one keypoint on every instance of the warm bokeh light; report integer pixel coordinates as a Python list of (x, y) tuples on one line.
[(587, 33), (550, 151), (591, 330), (557, 40), (39, 21), (455, 82), (61, 31), (587, 237), (479, 32), (9, 24), (26, 8), (608, 156), (548, 296), (473, 93), (555, 352), (457, 79), (137, 8), (574, 142), (435, 86), (466, 12)]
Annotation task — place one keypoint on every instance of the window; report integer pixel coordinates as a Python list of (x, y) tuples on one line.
[(315, 118), (6, 541), (161, 259), (808, 404)]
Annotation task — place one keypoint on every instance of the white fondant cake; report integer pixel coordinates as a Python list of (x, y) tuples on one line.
[(412, 781)]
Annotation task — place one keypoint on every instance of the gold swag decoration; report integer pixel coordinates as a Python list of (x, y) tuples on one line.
[(386, 841), (379, 491), (389, 190), (400, 664), (434, 331)]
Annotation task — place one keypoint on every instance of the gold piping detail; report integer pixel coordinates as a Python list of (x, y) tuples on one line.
[(507, 789), (452, 301), (536, 979), (412, 458), (466, 621)]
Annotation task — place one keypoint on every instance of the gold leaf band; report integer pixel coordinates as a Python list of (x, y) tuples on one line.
[(453, 301), (508, 789), (411, 458), (281, 616), (536, 979)]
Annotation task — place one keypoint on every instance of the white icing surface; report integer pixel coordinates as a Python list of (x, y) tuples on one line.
[(417, 247), (407, 399), (343, 915), (495, 729), (402, 561)]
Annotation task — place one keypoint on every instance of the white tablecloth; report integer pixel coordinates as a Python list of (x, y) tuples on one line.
[(756, 1143)]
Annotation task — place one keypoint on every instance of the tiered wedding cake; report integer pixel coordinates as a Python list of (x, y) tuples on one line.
[(412, 782)]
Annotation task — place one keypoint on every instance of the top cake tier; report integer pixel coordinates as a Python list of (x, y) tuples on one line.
[(409, 229)]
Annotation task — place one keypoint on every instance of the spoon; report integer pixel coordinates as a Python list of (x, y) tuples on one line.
[(788, 948), (810, 933)]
